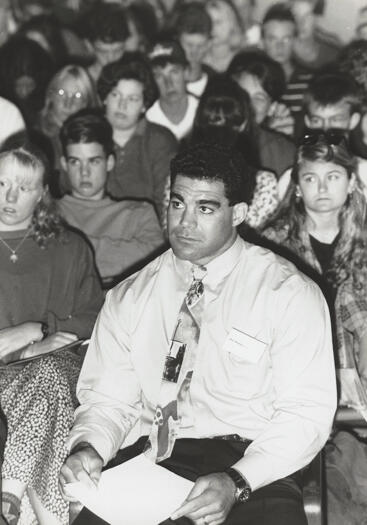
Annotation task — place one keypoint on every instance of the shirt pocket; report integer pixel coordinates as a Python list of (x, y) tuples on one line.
[(247, 364)]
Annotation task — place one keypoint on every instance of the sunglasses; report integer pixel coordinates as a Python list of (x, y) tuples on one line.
[(331, 137)]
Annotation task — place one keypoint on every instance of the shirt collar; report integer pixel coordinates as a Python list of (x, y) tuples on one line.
[(217, 269)]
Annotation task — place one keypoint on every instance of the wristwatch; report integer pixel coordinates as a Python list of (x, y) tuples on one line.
[(243, 489)]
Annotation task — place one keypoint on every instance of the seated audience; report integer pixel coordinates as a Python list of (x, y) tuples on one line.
[(124, 233), (313, 46), (52, 299), (224, 115), (279, 33), (333, 102), (143, 149), (322, 225), (193, 29), (263, 79), (105, 27), (175, 108), (227, 34), (69, 90)]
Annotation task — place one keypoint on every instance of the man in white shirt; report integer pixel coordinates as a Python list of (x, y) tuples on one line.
[(262, 394), (175, 108)]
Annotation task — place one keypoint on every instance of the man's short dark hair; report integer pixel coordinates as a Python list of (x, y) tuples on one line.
[(215, 162), (279, 12), (86, 126), (329, 89), (132, 66), (105, 22), (193, 18), (257, 63)]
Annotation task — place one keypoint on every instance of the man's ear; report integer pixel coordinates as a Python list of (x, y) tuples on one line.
[(239, 213), (354, 120), (110, 162), (64, 163), (307, 121)]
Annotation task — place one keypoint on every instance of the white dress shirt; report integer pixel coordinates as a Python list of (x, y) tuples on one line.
[(264, 367)]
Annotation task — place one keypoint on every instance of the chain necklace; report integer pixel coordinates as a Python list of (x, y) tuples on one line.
[(14, 257)]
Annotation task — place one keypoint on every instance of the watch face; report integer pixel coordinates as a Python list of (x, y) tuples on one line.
[(245, 494)]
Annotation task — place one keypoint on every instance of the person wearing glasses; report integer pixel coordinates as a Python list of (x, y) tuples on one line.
[(333, 101), (69, 90), (321, 226)]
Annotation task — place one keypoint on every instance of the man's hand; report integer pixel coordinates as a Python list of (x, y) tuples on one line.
[(84, 465), (16, 337), (52, 342), (209, 501), (280, 119)]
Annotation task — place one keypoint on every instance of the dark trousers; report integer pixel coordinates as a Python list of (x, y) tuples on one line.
[(279, 503)]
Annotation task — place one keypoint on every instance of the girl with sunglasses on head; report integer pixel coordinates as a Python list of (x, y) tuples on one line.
[(321, 226)]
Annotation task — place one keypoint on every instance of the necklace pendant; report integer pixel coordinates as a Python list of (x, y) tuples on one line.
[(14, 257)]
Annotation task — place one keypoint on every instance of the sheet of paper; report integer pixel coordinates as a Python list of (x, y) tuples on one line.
[(138, 492)]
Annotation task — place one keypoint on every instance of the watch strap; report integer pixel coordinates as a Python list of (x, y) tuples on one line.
[(243, 489)]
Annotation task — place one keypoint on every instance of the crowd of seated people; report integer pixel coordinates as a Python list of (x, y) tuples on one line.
[(96, 99)]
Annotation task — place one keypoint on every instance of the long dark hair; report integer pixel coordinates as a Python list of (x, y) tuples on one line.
[(224, 104)]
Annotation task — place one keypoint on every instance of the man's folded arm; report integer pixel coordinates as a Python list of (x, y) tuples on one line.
[(304, 387), (108, 388)]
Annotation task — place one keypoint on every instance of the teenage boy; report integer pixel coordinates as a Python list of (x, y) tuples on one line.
[(106, 29), (333, 105), (124, 233), (279, 33), (193, 29), (175, 108)]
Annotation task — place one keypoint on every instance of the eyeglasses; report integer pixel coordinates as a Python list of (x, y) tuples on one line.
[(332, 137), (77, 96)]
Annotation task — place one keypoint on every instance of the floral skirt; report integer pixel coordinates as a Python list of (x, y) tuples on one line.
[(38, 400)]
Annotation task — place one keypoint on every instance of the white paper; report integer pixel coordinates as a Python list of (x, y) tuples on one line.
[(138, 492)]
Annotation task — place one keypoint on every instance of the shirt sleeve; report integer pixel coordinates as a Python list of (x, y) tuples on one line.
[(108, 389), (304, 385), (77, 295)]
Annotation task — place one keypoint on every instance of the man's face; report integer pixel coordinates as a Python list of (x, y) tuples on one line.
[(337, 116), (201, 224), (107, 52), (195, 46), (87, 167), (278, 40), (125, 104), (260, 100), (171, 84)]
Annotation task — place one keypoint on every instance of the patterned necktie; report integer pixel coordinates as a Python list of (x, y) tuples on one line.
[(174, 409)]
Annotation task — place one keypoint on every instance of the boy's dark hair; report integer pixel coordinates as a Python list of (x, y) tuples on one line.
[(105, 22), (257, 63), (86, 126), (215, 162), (132, 66), (193, 18), (280, 12), (329, 89)]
